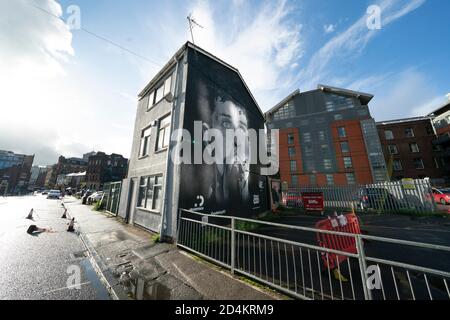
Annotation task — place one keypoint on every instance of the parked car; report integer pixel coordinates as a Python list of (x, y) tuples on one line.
[(377, 198), (96, 196), (45, 192), (85, 196), (54, 194), (441, 196), (292, 199)]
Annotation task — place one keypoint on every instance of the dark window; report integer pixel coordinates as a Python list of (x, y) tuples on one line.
[(393, 149), (414, 147), (145, 142), (164, 132), (291, 151), (388, 135), (150, 193), (290, 138), (344, 147), (409, 133), (418, 163), (341, 132), (348, 162), (293, 166)]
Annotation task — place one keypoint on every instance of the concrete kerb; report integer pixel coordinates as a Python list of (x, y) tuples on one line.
[(108, 279)]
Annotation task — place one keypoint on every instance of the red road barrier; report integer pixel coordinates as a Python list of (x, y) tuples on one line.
[(337, 242)]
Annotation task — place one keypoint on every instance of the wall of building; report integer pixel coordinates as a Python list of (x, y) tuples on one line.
[(424, 135), (314, 118), (155, 163), (215, 94)]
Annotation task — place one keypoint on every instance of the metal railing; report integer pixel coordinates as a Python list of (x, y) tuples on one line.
[(294, 264), (395, 196)]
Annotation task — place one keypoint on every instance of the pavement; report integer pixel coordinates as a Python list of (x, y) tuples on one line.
[(133, 266)]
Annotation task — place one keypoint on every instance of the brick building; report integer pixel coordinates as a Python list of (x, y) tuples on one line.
[(408, 149), (15, 172), (327, 137), (104, 168), (441, 121), (64, 166)]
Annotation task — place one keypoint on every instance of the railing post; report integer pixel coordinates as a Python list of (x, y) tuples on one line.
[(363, 267), (233, 249)]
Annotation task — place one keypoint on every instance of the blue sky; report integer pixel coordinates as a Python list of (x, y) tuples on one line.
[(80, 92)]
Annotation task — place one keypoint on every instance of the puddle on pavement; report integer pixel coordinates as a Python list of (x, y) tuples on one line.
[(155, 291), (92, 277)]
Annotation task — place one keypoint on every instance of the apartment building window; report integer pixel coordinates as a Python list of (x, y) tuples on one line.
[(327, 164), (350, 178), (307, 137), (414, 147), (293, 165), (285, 112), (294, 180), (309, 165), (150, 193), (397, 165), (330, 179), (348, 162), (409, 133), (291, 151), (418, 164), (322, 136), (290, 138), (393, 149), (160, 92), (341, 132), (388, 135), (308, 150), (145, 142), (436, 163), (437, 148), (164, 132), (312, 180), (344, 147)]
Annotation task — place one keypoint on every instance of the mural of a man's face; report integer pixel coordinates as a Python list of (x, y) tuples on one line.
[(230, 116)]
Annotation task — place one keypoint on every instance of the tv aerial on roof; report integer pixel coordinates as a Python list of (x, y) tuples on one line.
[(192, 25)]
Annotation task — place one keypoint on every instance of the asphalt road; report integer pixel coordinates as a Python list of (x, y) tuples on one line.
[(44, 266)]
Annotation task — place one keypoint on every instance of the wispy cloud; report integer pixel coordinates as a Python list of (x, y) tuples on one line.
[(264, 46), (329, 28), (351, 42)]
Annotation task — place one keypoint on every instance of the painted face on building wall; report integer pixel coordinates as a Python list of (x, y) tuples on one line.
[(231, 175)]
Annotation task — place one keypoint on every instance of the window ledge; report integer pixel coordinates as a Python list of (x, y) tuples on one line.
[(143, 157), (149, 210), (162, 150)]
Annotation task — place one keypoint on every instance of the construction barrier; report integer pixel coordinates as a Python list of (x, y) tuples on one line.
[(346, 224)]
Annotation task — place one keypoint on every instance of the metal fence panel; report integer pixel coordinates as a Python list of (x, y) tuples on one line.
[(394, 196), (299, 269)]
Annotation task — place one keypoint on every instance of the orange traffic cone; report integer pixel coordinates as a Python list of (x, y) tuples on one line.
[(64, 216), (71, 227), (30, 215)]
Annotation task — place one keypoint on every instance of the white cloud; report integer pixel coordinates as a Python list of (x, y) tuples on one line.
[(351, 42), (263, 47), (407, 94), (329, 28), (46, 107)]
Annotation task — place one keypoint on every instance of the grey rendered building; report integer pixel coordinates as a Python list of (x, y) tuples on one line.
[(193, 86)]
